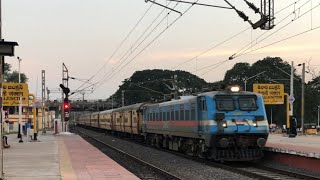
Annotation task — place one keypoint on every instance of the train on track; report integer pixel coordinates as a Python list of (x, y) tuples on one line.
[(229, 125)]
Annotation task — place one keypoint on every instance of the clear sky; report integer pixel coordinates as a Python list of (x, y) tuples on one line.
[(84, 34)]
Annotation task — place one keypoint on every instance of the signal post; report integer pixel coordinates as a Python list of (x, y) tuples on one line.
[(65, 107)]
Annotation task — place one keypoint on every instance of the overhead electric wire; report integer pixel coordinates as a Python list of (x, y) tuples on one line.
[(287, 6), (147, 45), (217, 65), (250, 44), (130, 49), (222, 62), (228, 39), (246, 48), (298, 34), (244, 52), (128, 35), (215, 46)]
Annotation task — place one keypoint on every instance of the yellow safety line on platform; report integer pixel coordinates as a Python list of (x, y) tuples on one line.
[(66, 170)]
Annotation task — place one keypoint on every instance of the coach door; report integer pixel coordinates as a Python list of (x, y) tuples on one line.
[(202, 112)]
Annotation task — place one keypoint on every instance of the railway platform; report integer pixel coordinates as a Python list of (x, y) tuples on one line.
[(301, 145), (301, 152), (54, 157)]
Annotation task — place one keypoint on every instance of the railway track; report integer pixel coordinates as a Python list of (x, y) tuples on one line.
[(261, 172), (140, 168), (253, 170)]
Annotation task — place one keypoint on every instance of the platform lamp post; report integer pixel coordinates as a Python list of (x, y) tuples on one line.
[(6, 49), (20, 108), (302, 96), (246, 80)]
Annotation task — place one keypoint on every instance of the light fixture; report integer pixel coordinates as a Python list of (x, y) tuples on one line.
[(235, 89), (254, 123), (224, 124)]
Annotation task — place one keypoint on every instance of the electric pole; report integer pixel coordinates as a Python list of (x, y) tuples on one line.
[(43, 99), (302, 97), (291, 88), (122, 98)]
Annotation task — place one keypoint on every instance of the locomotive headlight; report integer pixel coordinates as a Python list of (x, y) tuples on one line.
[(254, 123), (235, 89), (224, 124)]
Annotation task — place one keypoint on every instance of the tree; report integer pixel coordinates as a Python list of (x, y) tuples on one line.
[(275, 71), (150, 86), (7, 69), (238, 74), (14, 76)]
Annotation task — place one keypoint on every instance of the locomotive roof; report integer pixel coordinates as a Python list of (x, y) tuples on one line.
[(213, 93), (182, 99)]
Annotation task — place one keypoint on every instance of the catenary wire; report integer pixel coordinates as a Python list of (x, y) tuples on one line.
[(151, 42), (284, 39), (122, 60), (257, 42), (222, 62), (226, 40), (108, 78), (117, 49)]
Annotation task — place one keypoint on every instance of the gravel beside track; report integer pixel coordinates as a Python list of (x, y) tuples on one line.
[(181, 167)]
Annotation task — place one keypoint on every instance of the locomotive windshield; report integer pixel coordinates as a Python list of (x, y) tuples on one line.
[(247, 103), (225, 104), (231, 103)]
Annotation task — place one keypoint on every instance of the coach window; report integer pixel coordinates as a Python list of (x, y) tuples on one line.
[(160, 118), (172, 115), (181, 111), (193, 111), (168, 115), (187, 111), (157, 116), (176, 115)]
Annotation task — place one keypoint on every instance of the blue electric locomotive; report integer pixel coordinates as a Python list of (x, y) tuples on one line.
[(226, 125)]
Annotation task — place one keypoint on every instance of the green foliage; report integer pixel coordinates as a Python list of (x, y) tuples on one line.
[(14, 76), (154, 86), (277, 71)]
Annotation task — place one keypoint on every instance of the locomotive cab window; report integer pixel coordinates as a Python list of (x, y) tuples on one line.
[(225, 104), (247, 103)]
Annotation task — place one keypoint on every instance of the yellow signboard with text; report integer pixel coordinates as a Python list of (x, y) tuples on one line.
[(13, 91), (272, 93)]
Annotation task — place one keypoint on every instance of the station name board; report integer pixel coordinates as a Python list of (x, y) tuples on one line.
[(272, 93), (12, 93)]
